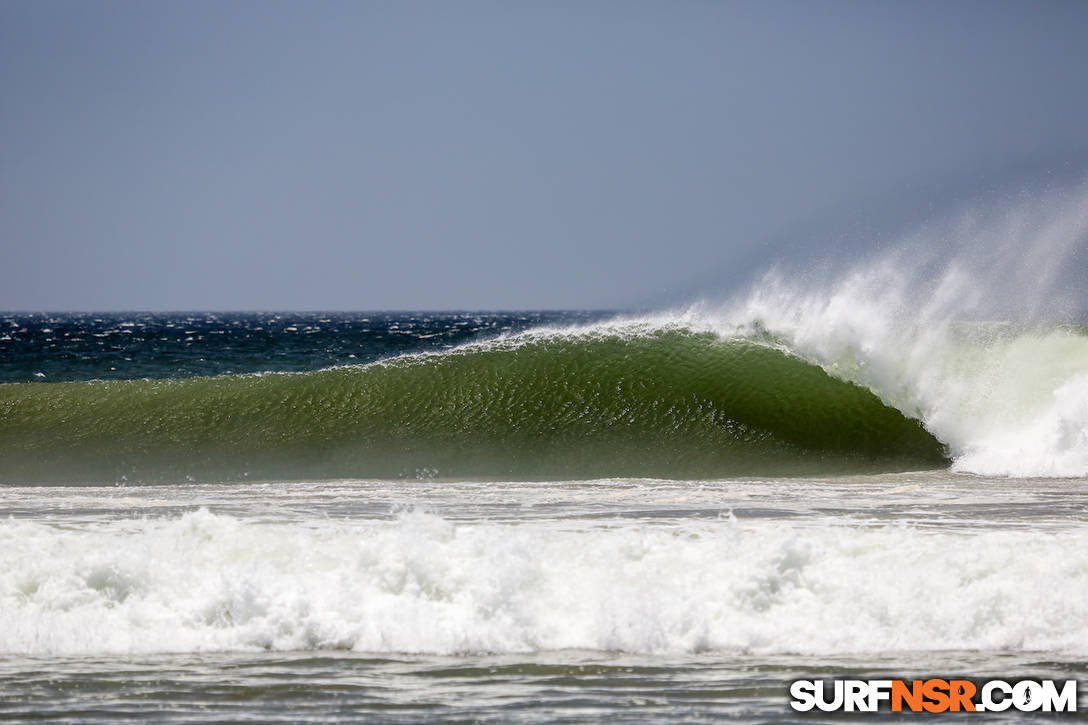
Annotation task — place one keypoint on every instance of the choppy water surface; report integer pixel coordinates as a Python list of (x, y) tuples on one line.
[(563, 687)]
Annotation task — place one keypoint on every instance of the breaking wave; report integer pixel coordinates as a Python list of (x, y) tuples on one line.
[(963, 346), (423, 584)]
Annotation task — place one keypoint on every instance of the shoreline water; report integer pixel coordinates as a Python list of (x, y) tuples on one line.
[(238, 575)]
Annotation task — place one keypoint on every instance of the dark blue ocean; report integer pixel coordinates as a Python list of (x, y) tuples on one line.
[(116, 346)]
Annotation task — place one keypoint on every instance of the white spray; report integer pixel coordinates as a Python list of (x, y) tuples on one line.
[(958, 325)]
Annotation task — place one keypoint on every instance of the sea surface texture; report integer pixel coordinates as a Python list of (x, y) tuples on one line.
[(547, 517)]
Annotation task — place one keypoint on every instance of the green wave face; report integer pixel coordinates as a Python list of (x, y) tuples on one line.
[(671, 404)]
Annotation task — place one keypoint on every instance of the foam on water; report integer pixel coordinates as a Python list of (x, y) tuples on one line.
[(423, 584)]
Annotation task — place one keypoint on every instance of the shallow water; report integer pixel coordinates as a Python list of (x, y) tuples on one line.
[(557, 687)]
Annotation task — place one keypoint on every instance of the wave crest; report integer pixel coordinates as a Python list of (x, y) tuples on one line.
[(611, 400)]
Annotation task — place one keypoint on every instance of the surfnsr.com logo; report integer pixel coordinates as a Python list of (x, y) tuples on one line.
[(934, 695)]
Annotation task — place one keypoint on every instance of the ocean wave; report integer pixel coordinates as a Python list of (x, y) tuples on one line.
[(973, 325), (960, 346), (624, 398), (783, 384), (423, 584)]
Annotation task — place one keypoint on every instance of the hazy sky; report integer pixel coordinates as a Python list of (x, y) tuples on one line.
[(433, 155)]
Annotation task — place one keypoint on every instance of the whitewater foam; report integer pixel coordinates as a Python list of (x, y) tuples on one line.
[(423, 584)]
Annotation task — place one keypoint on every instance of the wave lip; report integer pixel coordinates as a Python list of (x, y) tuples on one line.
[(1006, 398), (596, 402), (422, 584)]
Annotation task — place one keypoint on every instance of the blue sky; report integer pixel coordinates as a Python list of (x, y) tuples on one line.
[(476, 155)]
